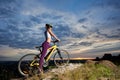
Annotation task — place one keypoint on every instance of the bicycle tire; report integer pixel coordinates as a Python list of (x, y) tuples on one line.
[(24, 65), (62, 59)]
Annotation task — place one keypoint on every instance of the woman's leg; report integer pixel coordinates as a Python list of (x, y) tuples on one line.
[(45, 46)]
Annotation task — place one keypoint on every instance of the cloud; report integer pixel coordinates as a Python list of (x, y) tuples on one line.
[(10, 53), (82, 20), (111, 33), (97, 49), (23, 27), (85, 44)]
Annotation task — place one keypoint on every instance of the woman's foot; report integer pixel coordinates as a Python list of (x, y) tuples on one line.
[(41, 71)]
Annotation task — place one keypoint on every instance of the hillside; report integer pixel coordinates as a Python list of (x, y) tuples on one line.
[(91, 70)]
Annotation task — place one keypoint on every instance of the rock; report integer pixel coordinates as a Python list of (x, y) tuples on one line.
[(62, 70), (65, 68)]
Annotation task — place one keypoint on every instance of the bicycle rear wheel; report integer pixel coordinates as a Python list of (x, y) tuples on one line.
[(24, 65), (61, 58)]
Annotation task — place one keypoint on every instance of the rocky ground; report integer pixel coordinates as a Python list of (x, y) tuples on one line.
[(62, 70), (47, 75), (81, 72)]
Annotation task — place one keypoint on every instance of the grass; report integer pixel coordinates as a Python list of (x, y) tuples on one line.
[(85, 72), (89, 72)]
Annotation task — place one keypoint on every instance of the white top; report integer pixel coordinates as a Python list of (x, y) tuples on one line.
[(47, 35)]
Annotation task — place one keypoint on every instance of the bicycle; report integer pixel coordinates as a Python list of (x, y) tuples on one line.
[(29, 63)]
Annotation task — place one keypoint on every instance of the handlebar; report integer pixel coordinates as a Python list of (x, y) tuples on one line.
[(55, 41), (38, 46)]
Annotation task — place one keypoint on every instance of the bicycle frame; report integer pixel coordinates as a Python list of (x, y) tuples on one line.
[(51, 50), (33, 63)]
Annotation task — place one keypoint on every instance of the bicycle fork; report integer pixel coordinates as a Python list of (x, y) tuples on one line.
[(59, 53)]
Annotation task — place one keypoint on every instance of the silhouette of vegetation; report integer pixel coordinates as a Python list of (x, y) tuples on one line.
[(8, 70), (110, 57)]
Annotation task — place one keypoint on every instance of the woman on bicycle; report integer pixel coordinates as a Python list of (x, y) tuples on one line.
[(46, 44)]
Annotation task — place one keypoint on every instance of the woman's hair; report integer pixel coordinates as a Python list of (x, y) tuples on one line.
[(48, 26)]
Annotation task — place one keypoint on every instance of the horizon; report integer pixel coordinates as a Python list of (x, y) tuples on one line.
[(77, 58), (86, 28)]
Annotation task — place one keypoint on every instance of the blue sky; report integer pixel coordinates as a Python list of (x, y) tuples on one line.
[(87, 28)]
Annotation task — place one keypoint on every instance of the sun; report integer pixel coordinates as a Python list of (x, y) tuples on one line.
[(81, 58)]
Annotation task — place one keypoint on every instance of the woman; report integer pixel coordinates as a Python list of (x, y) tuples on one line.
[(46, 44)]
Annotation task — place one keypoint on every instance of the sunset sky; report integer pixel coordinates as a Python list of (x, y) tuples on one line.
[(87, 28)]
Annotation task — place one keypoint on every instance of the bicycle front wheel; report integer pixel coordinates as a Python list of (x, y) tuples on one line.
[(26, 67), (61, 58)]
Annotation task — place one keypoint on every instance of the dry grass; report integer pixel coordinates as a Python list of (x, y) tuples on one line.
[(85, 72)]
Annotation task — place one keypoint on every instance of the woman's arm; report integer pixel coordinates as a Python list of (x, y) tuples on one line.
[(52, 34)]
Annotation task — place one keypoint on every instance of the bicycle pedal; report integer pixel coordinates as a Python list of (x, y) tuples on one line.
[(26, 72)]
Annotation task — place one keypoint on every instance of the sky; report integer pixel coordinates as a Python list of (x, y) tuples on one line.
[(86, 28)]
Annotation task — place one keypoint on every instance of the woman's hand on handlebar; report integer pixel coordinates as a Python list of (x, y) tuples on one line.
[(57, 40)]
